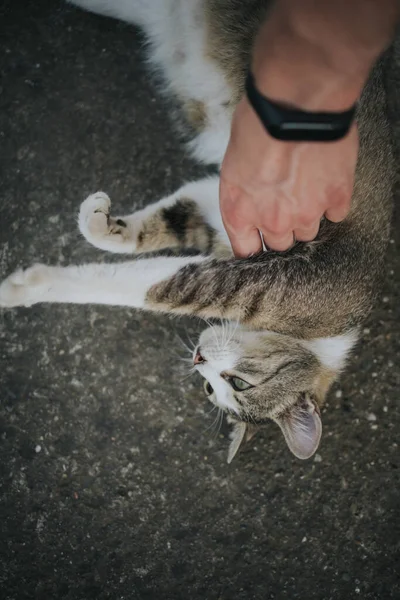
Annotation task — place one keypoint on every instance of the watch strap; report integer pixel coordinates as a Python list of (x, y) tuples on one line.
[(289, 124)]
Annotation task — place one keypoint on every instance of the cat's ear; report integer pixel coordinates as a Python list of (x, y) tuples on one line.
[(301, 425), (241, 433)]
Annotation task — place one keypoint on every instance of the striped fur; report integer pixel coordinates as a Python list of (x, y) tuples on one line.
[(296, 313)]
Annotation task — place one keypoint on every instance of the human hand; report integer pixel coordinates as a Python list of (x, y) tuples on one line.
[(314, 56), (281, 189)]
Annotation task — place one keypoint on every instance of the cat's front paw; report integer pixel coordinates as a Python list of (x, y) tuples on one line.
[(94, 215), (98, 227), (24, 288)]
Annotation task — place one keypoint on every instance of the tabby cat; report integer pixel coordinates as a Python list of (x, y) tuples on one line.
[(296, 314)]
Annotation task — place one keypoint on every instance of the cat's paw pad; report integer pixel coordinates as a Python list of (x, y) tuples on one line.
[(94, 215), (24, 288)]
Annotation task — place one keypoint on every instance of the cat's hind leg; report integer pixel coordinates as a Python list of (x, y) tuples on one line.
[(189, 218), (139, 12)]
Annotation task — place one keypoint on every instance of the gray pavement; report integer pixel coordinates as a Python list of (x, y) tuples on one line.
[(111, 484)]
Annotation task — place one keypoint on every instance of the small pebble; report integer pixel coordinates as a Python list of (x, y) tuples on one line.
[(385, 409), (317, 458), (371, 416), (339, 394), (385, 299), (38, 448), (366, 331), (374, 374), (374, 427), (304, 539)]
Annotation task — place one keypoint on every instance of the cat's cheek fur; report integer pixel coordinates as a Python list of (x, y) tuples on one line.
[(223, 395), (333, 352)]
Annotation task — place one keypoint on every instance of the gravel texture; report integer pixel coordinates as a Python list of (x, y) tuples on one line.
[(112, 482)]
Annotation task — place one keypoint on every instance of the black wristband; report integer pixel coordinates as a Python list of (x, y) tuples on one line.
[(294, 125)]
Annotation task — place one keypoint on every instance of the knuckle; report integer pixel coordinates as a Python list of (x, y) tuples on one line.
[(237, 219), (235, 223), (278, 222), (278, 228), (280, 246), (310, 222)]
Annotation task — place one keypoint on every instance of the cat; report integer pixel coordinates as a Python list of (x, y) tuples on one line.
[(295, 315)]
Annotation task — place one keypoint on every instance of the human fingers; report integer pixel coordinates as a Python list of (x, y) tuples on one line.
[(338, 212), (239, 221), (276, 224), (279, 242), (307, 234), (244, 243)]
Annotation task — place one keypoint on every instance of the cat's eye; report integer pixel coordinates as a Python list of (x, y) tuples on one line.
[(238, 384), (208, 388)]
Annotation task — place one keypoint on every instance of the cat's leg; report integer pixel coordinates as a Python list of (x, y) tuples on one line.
[(122, 284), (189, 218), (138, 12), (309, 292)]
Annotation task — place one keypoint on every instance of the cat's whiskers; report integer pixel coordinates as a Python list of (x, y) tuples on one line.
[(219, 423), (191, 372), (208, 412), (222, 330), (214, 423), (221, 335), (189, 361), (248, 415), (189, 350), (179, 356), (191, 342), (228, 329), (233, 325), (214, 332)]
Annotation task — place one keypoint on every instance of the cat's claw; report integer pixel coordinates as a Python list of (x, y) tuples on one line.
[(24, 288), (94, 215)]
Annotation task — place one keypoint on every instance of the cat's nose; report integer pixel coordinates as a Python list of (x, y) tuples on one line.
[(198, 358)]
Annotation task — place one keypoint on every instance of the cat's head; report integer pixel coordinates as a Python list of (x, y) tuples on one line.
[(260, 376)]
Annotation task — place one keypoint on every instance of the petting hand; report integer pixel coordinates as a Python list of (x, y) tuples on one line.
[(281, 189), (313, 56)]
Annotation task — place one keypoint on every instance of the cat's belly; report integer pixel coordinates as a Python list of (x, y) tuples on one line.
[(179, 51)]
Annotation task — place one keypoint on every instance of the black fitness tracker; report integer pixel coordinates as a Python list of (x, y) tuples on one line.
[(292, 125)]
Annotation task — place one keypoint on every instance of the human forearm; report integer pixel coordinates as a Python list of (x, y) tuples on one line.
[(317, 54)]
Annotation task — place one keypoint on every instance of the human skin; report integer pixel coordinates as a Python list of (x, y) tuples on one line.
[(314, 55)]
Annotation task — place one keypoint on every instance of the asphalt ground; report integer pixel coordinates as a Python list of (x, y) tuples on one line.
[(113, 484)]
